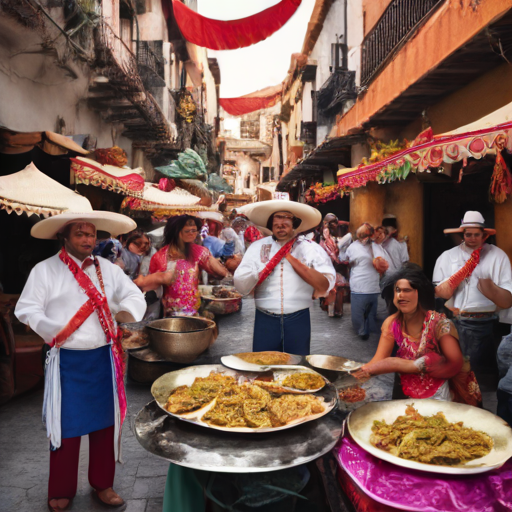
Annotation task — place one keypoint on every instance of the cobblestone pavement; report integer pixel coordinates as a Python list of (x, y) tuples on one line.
[(141, 479)]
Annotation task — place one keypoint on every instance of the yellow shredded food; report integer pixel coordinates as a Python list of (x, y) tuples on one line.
[(430, 439), (245, 405), (304, 381), (264, 358)]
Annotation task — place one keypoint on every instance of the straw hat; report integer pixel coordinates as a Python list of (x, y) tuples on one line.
[(471, 220), (259, 213), (114, 223)]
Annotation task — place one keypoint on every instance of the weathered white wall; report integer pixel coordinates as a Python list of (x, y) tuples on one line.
[(332, 29)]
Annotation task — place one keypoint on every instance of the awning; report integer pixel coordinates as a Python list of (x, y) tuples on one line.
[(35, 193), (429, 151), (231, 34), (155, 199), (325, 157), (108, 177), (264, 98)]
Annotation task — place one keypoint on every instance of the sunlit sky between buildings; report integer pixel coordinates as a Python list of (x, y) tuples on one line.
[(261, 65)]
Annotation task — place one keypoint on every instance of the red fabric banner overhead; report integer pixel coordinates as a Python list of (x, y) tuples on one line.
[(230, 34), (245, 104)]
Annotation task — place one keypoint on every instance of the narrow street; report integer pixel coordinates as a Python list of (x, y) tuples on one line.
[(141, 479)]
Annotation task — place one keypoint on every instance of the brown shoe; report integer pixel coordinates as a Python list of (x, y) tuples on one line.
[(58, 504), (109, 497)]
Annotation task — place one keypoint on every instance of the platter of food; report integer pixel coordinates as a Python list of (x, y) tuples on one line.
[(224, 399), (260, 361), (220, 300), (432, 435)]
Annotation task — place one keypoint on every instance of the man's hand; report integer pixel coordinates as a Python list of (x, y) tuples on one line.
[(501, 297), (123, 317), (314, 278)]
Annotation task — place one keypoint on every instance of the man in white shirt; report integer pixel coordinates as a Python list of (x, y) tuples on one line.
[(397, 251), (284, 271), (71, 300), (476, 280), (368, 261)]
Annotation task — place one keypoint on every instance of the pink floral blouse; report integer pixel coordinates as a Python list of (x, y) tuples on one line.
[(182, 296), (436, 325)]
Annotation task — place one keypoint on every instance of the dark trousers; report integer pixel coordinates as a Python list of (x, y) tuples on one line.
[(478, 341), (364, 313), (64, 464), (283, 333)]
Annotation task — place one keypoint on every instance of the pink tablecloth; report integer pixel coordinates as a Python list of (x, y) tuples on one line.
[(408, 489)]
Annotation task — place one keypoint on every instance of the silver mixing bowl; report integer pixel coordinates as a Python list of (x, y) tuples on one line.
[(181, 339)]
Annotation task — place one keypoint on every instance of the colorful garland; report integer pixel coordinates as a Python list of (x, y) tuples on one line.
[(320, 193), (429, 151)]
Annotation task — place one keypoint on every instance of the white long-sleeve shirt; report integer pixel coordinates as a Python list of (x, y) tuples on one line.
[(52, 296), (494, 264), (284, 290)]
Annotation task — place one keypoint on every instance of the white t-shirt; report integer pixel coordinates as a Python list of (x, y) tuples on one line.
[(296, 293), (52, 296), (398, 253), (494, 264), (363, 276)]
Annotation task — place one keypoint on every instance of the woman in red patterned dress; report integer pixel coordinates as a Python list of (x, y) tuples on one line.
[(177, 267), (428, 356)]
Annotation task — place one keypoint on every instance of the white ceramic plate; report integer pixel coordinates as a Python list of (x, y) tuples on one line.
[(163, 386), (361, 420)]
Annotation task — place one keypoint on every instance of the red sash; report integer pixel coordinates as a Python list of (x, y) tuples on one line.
[(272, 264), (97, 302), (466, 271)]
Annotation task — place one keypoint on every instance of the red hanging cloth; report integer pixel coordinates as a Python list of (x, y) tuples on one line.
[(244, 105), (231, 34)]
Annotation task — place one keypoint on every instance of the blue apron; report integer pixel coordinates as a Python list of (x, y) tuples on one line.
[(87, 391)]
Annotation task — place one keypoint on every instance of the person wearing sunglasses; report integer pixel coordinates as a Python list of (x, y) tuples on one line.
[(177, 265)]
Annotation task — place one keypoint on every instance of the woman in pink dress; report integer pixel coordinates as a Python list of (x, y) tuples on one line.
[(177, 266), (428, 357)]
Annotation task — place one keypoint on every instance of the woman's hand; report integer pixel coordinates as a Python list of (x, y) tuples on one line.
[(362, 374), (153, 281)]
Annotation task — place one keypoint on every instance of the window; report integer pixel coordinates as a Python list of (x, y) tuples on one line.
[(250, 129)]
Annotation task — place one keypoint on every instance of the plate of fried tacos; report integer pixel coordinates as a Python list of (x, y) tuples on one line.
[(432, 435), (217, 397)]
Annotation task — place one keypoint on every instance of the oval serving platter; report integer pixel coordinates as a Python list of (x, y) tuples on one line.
[(361, 420), (162, 387)]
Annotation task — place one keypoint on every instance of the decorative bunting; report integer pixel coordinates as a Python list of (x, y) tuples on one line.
[(231, 34)]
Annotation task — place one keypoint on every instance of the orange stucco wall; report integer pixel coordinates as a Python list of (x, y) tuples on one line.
[(403, 199), (479, 98), (449, 28), (372, 11)]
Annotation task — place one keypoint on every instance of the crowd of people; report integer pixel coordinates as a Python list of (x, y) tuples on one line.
[(75, 300)]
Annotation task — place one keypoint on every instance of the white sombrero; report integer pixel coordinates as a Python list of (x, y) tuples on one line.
[(114, 223), (471, 220), (259, 213)]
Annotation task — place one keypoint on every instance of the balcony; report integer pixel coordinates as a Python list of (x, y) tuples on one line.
[(150, 60), (398, 23)]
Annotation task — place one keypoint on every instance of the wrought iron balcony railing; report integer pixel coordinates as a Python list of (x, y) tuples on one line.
[(399, 21), (151, 63)]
